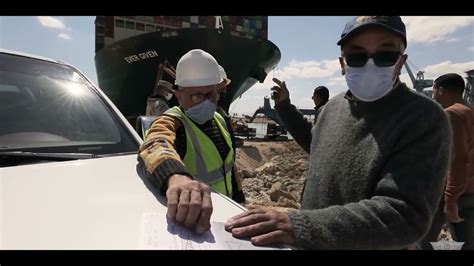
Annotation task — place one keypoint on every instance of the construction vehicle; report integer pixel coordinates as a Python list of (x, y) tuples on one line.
[(268, 111), (276, 132), (271, 113), (241, 129)]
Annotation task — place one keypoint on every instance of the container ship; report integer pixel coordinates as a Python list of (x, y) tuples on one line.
[(130, 49)]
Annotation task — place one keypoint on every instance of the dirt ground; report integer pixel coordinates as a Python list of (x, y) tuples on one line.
[(272, 173)]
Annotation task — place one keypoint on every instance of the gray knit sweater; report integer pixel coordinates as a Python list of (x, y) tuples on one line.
[(376, 171)]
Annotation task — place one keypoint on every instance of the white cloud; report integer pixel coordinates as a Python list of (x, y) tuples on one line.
[(248, 103), (64, 36), (308, 69), (302, 64), (297, 70), (55, 23), (453, 40), (300, 76), (332, 65), (299, 82), (336, 85), (406, 79), (314, 72), (471, 48), (288, 72), (337, 81), (448, 67), (434, 71), (303, 103), (434, 29), (51, 22)]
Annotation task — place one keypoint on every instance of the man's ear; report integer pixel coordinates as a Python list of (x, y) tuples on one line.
[(341, 62), (440, 90), (398, 69), (177, 93)]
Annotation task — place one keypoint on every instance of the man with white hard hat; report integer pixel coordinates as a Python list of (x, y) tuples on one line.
[(188, 150)]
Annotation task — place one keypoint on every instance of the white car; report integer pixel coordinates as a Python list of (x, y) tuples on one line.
[(68, 157)]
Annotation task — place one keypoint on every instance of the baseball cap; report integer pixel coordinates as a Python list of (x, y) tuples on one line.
[(393, 24)]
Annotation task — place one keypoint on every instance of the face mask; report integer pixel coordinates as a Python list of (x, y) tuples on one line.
[(202, 112), (370, 82), (168, 95)]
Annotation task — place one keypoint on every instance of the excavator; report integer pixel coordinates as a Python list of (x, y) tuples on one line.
[(276, 131), (268, 111), (271, 113)]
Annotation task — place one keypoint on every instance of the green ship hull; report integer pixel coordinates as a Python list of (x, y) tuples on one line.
[(127, 69)]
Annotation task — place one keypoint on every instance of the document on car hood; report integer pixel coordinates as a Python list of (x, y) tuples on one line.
[(158, 232)]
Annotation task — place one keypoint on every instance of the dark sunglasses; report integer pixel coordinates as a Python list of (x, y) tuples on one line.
[(381, 59), (199, 97)]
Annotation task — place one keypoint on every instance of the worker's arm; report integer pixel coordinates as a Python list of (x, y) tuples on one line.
[(298, 126), (158, 152), (189, 201)]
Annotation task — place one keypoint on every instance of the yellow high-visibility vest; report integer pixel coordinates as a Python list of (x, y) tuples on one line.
[(202, 157)]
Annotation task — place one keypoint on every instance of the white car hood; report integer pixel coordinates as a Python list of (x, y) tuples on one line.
[(81, 204)]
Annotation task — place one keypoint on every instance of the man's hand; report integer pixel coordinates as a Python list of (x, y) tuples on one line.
[(452, 212), (189, 203), (263, 226), (280, 92)]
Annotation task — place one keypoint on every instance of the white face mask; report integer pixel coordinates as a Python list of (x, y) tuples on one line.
[(370, 82), (168, 95), (202, 112)]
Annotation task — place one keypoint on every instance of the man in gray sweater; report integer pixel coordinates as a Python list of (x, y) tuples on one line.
[(378, 154)]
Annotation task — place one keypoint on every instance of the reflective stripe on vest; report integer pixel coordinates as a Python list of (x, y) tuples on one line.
[(202, 157)]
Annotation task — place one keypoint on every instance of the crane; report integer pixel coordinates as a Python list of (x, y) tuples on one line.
[(272, 113), (469, 92), (419, 83), (268, 111)]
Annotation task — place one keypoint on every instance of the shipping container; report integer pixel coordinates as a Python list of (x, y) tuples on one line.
[(128, 26), (144, 18)]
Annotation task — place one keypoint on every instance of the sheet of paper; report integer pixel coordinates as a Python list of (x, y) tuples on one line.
[(160, 233)]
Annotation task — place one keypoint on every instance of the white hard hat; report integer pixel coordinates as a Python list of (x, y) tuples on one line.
[(224, 75), (197, 68)]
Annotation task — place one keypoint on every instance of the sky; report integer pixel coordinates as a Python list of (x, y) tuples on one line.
[(309, 54)]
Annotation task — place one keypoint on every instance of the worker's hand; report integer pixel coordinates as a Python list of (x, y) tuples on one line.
[(451, 210), (189, 203), (280, 92), (263, 226)]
